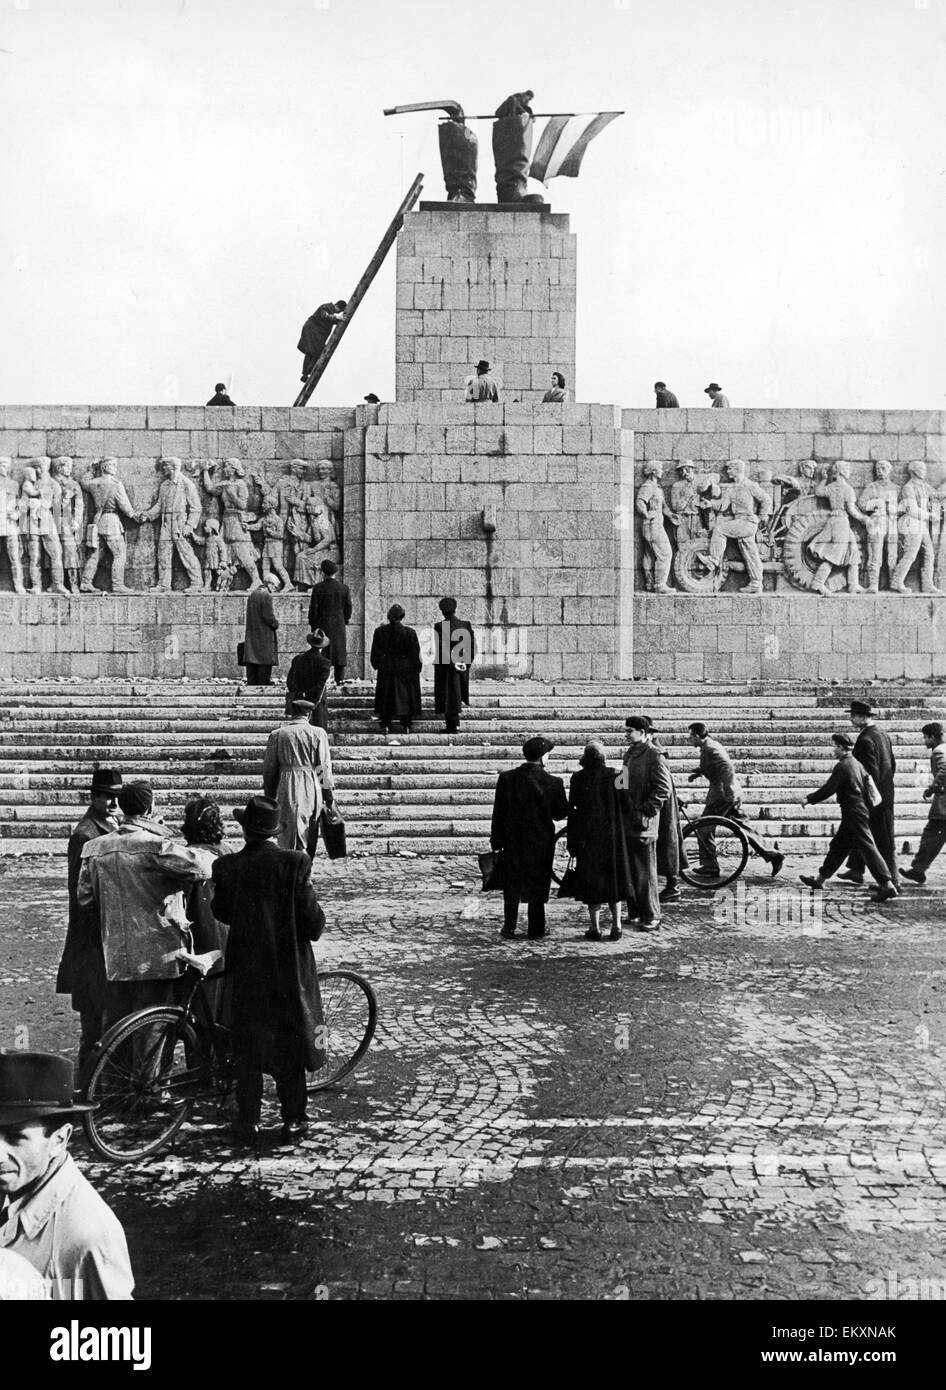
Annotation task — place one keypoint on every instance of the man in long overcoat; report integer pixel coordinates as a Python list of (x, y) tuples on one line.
[(82, 968), (261, 643), (874, 751), (454, 651), (395, 655), (330, 609), (308, 678), (297, 774), (671, 847), (265, 896), (647, 782), (527, 804)]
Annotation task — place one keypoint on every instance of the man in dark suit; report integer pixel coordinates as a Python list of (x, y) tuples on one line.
[(874, 751), (645, 783), (527, 804), (330, 609), (265, 896), (82, 968), (666, 400), (454, 650), (853, 835), (308, 678)]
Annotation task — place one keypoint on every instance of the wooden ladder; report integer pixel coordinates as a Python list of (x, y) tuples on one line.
[(358, 294)]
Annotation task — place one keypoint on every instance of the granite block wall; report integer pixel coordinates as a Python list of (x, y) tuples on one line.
[(476, 283)]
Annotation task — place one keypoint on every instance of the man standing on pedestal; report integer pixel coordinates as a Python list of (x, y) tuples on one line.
[(330, 608)]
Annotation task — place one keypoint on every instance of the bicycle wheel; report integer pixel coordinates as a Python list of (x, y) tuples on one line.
[(729, 847), (350, 1010), (560, 861), (142, 1083)]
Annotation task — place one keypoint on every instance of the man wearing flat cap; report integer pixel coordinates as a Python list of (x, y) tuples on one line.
[(265, 896), (527, 804), (874, 751), (308, 678), (480, 386), (135, 877), (49, 1213), (454, 650), (82, 968)]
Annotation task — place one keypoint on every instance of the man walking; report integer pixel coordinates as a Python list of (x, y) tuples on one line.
[(666, 400), (645, 782), (260, 642), (934, 832), (847, 783), (874, 751), (316, 331), (308, 678), (481, 386), (527, 803), (723, 798), (330, 608), (82, 968), (297, 775), (134, 878), (715, 393), (265, 896), (454, 650), (49, 1213)]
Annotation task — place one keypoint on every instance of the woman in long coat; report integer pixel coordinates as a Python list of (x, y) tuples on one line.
[(395, 655), (596, 839)]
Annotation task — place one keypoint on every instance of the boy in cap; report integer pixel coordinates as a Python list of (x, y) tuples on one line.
[(527, 803), (82, 968), (847, 783), (49, 1213)]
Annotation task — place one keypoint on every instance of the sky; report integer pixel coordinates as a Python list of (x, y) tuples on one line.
[(183, 181)]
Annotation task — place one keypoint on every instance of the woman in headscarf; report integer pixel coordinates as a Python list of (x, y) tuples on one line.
[(395, 655), (203, 829), (595, 836)]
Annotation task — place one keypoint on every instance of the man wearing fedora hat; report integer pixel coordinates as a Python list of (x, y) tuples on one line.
[(330, 610), (49, 1213), (480, 386), (454, 650), (266, 897), (82, 968), (874, 751), (308, 677), (527, 803), (715, 393)]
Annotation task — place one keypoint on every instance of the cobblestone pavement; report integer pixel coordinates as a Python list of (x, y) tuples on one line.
[(748, 1103)]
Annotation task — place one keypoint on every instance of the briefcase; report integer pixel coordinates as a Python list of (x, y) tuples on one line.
[(493, 870), (241, 653), (332, 827)]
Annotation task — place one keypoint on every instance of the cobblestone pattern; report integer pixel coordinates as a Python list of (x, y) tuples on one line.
[(726, 1108), (484, 284)]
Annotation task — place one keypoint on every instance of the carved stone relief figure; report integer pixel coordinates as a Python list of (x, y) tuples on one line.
[(739, 504), (914, 525), (40, 497), (10, 523), (177, 511), (687, 504), (272, 530), (834, 545), (879, 501), (234, 499), (652, 507), (322, 542), (331, 494), (939, 499), (71, 520), (110, 503)]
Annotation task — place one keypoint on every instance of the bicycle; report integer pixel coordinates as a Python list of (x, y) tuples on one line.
[(731, 847), (148, 1070)]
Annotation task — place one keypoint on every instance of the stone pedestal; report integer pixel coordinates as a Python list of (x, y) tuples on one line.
[(480, 281)]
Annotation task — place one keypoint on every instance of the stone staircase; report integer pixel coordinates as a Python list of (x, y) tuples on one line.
[(430, 793)]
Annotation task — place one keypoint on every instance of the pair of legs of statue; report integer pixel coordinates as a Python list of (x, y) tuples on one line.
[(16, 565), (52, 545), (743, 532)]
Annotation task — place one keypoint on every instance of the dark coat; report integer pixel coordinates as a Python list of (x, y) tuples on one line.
[(330, 609), (265, 896), (671, 846), (847, 784), (395, 655), (452, 687), (316, 329), (596, 837), (262, 644), (874, 751), (648, 787), (527, 804), (82, 968), (307, 680)]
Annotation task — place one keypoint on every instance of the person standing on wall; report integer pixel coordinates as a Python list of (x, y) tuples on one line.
[(261, 644), (330, 609), (666, 400), (454, 650), (874, 751), (527, 803), (480, 386), (715, 393), (220, 396)]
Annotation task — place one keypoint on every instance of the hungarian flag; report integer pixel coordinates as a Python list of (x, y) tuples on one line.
[(563, 144)]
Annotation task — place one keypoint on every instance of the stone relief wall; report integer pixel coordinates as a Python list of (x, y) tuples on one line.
[(810, 529)]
